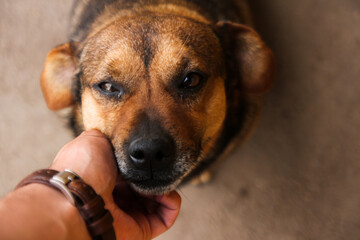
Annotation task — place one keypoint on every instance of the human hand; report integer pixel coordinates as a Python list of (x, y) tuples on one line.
[(135, 216)]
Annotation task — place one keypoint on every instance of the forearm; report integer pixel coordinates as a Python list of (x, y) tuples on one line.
[(37, 211)]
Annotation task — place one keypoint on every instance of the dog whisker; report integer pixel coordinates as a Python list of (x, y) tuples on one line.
[(182, 46)]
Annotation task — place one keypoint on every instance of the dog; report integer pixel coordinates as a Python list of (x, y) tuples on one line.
[(171, 83)]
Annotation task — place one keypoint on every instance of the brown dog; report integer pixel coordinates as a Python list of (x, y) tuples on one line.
[(170, 82)]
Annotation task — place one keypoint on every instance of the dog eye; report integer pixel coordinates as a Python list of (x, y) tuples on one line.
[(191, 81), (110, 89)]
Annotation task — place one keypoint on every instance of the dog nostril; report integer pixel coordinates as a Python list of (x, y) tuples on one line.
[(138, 154), (159, 156)]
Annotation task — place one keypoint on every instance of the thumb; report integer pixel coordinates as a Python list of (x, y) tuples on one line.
[(90, 156)]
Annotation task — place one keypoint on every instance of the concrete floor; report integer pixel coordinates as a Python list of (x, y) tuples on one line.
[(298, 177)]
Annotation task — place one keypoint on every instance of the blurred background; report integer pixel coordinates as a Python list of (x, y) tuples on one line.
[(297, 178)]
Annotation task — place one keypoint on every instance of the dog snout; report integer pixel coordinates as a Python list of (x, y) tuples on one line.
[(151, 154)]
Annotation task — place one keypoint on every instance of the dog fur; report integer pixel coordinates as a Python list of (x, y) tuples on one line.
[(187, 73)]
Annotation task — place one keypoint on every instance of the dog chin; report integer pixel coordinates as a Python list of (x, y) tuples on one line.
[(154, 187)]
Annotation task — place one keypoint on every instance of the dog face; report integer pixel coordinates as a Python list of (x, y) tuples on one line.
[(155, 86), (158, 94)]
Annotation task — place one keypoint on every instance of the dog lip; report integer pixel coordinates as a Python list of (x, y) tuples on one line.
[(151, 177), (152, 183)]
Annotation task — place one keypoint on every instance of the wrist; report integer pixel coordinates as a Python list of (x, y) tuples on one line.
[(44, 213), (89, 204)]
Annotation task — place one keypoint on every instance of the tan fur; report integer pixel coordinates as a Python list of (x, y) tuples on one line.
[(60, 65)]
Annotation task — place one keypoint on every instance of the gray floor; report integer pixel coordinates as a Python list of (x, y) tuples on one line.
[(299, 175)]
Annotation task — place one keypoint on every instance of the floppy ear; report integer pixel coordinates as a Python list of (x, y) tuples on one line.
[(253, 61), (57, 75)]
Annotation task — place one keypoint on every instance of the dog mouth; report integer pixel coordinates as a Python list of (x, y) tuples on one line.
[(154, 181), (154, 186)]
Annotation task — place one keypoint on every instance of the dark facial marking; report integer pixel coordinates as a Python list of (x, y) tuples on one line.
[(143, 36), (148, 52)]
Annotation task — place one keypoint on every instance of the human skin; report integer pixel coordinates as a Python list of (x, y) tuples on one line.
[(37, 211)]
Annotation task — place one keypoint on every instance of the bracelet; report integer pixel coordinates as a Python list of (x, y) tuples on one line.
[(90, 205)]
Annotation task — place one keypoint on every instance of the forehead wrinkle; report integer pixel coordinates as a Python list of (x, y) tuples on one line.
[(123, 62), (143, 37), (103, 42), (173, 58), (167, 55)]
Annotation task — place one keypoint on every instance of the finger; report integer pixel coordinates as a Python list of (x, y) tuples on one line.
[(166, 213), (93, 133), (90, 155)]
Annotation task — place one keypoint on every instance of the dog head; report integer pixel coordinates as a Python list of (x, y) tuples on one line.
[(156, 86)]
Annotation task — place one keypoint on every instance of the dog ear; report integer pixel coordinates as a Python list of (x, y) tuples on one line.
[(252, 60), (56, 78)]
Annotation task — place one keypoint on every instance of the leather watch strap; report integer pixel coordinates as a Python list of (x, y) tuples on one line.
[(90, 205), (40, 176)]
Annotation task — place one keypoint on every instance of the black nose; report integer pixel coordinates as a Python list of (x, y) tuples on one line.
[(151, 154)]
